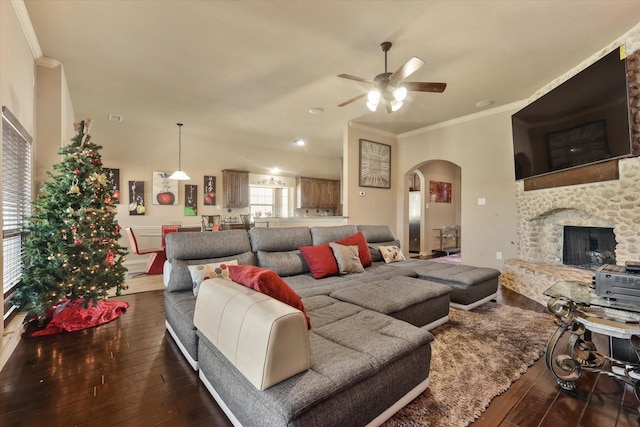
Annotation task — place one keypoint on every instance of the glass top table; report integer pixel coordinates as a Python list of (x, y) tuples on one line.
[(579, 312), (582, 293)]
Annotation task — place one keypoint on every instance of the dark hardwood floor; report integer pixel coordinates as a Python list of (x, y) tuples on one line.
[(130, 372), (125, 373)]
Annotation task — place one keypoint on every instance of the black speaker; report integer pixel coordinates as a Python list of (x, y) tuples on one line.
[(621, 349)]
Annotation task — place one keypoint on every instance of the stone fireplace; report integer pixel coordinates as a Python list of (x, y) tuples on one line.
[(543, 214), (613, 204)]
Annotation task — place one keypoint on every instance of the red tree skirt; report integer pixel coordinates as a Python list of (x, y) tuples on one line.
[(75, 317)]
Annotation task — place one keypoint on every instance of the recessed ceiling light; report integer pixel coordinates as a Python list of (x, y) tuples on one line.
[(316, 110), (484, 103), (299, 141), (275, 170), (115, 118)]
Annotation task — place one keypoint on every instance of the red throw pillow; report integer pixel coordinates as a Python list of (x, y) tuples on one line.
[(363, 247), (267, 282), (320, 260)]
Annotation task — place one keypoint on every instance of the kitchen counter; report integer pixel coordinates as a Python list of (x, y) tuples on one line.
[(298, 221)]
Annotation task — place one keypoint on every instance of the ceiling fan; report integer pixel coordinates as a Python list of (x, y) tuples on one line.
[(389, 87)]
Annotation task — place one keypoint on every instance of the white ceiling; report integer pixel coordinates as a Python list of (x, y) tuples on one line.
[(248, 71)]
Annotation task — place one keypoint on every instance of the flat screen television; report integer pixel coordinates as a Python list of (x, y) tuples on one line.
[(582, 121)]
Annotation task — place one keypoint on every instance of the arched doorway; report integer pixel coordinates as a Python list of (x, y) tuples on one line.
[(434, 205)]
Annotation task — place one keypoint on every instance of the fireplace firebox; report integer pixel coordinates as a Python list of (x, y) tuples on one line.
[(588, 247)]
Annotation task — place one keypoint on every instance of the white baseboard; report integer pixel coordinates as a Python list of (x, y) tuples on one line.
[(11, 337), (473, 304)]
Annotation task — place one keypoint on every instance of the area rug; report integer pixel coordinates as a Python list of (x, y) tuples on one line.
[(449, 259), (476, 356)]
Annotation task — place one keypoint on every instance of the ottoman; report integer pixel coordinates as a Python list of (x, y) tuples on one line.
[(420, 302), (471, 286)]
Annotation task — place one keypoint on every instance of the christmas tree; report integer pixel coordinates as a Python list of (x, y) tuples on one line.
[(72, 250)]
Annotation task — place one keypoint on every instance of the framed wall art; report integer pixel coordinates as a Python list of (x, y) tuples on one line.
[(190, 200), (113, 175), (209, 190), (439, 192), (375, 164), (136, 198), (165, 190)]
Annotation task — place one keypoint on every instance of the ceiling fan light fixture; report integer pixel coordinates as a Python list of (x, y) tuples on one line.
[(400, 93), (179, 175), (390, 86), (374, 99)]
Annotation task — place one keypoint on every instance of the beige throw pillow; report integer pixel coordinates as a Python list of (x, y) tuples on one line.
[(347, 258), (391, 254)]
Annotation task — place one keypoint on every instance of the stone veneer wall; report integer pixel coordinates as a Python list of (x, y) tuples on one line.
[(542, 214)]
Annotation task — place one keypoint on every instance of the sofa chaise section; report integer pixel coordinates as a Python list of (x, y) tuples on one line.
[(193, 248), (364, 365)]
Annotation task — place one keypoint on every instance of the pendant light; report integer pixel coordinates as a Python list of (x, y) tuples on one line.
[(179, 175)]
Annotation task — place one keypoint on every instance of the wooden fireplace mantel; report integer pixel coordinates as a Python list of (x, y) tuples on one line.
[(604, 171)]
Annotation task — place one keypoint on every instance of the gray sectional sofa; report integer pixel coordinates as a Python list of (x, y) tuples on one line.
[(369, 343)]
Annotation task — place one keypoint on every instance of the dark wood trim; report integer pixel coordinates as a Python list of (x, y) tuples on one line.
[(599, 172)]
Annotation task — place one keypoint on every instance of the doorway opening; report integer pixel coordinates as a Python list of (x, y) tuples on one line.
[(434, 209)]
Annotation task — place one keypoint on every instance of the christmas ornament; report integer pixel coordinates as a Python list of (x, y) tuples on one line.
[(110, 258), (74, 188)]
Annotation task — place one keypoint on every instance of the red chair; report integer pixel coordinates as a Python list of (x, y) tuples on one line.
[(157, 257), (166, 229)]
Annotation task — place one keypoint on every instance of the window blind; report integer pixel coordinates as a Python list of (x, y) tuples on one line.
[(16, 198)]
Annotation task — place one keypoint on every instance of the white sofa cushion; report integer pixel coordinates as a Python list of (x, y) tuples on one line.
[(265, 339)]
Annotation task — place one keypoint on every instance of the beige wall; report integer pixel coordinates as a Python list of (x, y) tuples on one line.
[(48, 123), (482, 146), (133, 150), (378, 205), (17, 78), (17, 66)]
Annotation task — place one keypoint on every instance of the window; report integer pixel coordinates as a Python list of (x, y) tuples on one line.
[(16, 202), (268, 201)]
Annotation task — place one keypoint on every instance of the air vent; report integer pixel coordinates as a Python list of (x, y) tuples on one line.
[(115, 118)]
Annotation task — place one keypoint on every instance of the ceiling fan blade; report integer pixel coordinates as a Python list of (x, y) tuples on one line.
[(354, 99), (425, 86), (358, 79), (409, 67)]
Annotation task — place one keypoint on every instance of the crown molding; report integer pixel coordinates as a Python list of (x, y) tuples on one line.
[(45, 61), (366, 128), (27, 28), (458, 120)]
